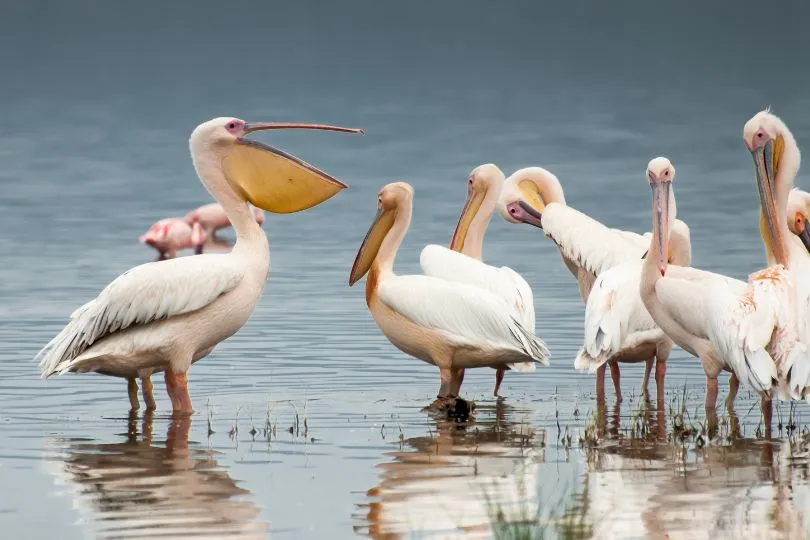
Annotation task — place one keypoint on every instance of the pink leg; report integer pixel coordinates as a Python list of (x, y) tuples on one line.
[(455, 382), (660, 374), (498, 380), (132, 389), (177, 388), (767, 415), (600, 384), (645, 383), (615, 375)]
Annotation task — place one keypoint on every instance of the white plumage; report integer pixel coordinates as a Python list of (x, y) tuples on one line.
[(503, 283), (617, 325), (147, 293), (466, 316)]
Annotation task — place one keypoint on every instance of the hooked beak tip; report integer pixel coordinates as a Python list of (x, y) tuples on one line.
[(663, 270)]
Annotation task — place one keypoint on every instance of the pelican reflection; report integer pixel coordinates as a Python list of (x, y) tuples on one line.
[(640, 487), (138, 488), (450, 480)]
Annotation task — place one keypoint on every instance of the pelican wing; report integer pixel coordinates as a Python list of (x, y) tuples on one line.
[(743, 321), (615, 316), (466, 315), (441, 262), (147, 293), (589, 244)]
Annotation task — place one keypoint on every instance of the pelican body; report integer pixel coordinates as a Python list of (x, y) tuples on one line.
[(166, 315), (170, 235), (452, 325), (462, 262), (618, 327), (588, 248)]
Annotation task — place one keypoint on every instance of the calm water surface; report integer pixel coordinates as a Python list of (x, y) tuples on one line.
[(309, 423)]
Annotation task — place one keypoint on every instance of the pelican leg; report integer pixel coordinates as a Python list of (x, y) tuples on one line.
[(600, 384), (616, 376), (132, 389), (146, 392), (647, 370), (444, 389), (177, 388), (767, 414), (455, 382), (499, 373), (733, 387), (660, 374), (711, 405)]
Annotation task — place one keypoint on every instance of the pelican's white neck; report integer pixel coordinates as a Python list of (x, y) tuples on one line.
[(207, 158), (474, 243)]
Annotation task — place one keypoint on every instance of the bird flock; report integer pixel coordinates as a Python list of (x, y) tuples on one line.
[(641, 294)]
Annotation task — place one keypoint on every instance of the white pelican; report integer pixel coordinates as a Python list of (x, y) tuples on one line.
[(535, 196), (168, 314), (798, 213), (728, 324), (462, 262), (451, 325), (777, 160), (617, 325)]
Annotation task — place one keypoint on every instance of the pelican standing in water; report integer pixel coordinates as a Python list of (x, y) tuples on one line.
[(588, 248), (617, 325), (777, 160), (728, 324), (165, 315), (462, 262), (451, 325)]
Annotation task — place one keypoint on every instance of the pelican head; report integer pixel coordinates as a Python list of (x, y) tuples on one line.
[(266, 177), (776, 160), (484, 184), (798, 213), (661, 173), (526, 193), (392, 200)]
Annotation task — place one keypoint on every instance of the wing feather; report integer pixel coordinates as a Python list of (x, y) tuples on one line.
[(466, 315), (441, 262), (147, 293)]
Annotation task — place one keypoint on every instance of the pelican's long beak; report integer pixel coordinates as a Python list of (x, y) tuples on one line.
[(766, 161), (275, 180), (661, 223), (474, 200), (371, 244)]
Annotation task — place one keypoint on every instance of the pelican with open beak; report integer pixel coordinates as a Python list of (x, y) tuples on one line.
[(449, 324), (166, 315), (462, 262)]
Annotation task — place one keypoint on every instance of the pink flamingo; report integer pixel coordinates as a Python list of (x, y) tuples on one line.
[(212, 218), (170, 235)]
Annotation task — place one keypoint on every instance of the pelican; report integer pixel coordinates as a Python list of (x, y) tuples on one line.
[(617, 325), (777, 160), (798, 213), (462, 262), (728, 324), (165, 315), (535, 196), (451, 325)]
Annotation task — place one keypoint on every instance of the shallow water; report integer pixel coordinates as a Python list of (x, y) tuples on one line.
[(309, 423)]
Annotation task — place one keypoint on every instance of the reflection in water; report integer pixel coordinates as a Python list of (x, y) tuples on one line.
[(136, 489), (450, 480), (642, 486)]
